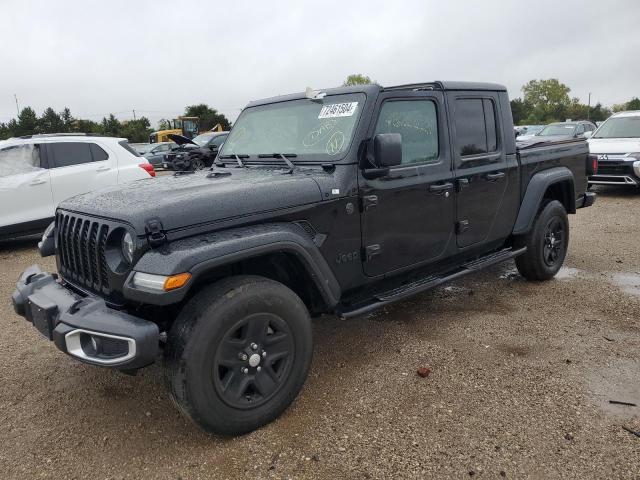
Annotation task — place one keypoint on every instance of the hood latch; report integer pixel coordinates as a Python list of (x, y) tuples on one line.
[(155, 232)]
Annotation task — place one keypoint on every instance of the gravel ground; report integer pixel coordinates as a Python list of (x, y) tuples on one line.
[(522, 375)]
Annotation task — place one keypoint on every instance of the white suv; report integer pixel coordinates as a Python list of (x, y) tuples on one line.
[(617, 144), (37, 172)]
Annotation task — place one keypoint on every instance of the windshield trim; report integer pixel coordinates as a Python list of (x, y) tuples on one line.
[(305, 159)]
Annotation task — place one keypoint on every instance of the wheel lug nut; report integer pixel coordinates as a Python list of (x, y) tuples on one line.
[(242, 356), (245, 370), (258, 368), (254, 346), (264, 354)]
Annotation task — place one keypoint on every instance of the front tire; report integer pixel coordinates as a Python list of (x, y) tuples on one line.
[(238, 354), (546, 243)]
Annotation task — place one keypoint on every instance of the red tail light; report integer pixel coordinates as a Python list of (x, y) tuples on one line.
[(592, 164), (147, 167)]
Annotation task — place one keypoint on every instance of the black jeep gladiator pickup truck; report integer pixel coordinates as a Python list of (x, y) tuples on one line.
[(337, 201)]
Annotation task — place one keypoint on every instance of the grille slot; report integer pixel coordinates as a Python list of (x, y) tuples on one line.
[(81, 251)]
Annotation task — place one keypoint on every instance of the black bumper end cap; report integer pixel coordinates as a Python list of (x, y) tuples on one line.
[(588, 199)]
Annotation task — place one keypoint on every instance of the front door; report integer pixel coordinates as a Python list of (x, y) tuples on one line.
[(408, 215), (26, 202), (482, 170)]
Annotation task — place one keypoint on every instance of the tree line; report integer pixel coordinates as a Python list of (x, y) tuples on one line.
[(138, 130), (547, 101)]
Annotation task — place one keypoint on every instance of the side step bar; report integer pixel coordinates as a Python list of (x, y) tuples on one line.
[(432, 281)]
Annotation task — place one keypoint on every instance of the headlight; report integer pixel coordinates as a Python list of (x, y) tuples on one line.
[(127, 247)]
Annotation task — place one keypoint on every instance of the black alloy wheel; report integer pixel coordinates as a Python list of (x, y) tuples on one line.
[(253, 360)]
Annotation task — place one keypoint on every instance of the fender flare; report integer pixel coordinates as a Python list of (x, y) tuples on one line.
[(536, 189), (202, 253)]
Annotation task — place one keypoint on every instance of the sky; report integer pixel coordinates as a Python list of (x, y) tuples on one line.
[(156, 57)]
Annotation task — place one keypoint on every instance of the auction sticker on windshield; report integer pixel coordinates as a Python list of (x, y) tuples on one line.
[(338, 110)]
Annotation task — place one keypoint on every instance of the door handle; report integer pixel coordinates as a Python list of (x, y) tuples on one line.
[(492, 177), (102, 169), (37, 182), (462, 183), (441, 187)]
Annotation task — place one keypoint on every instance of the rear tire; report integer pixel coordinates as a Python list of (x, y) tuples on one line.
[(238, 354), (546, 243)]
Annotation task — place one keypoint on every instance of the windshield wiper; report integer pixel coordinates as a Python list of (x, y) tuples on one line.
[(284, 156), (238, 158)]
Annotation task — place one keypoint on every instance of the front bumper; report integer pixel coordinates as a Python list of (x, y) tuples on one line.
[(84, 327), (617, 172)]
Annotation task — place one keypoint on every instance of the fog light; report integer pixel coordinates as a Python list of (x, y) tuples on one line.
[(100, 348), (95, 344)]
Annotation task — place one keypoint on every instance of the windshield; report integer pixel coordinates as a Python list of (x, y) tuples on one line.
[(558, 129), (532, 129), (619, 127), (203, 138), (312, 130)]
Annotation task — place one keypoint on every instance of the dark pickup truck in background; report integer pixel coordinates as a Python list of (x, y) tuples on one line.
[(339, 201)]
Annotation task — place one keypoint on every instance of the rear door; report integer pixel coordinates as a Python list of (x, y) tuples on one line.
[(483, 171), (25, 188), (79, 167), (407, 216)]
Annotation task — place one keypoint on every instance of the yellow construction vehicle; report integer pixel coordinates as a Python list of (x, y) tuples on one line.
[(185, 126)]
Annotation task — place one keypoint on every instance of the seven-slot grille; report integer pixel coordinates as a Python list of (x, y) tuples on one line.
[(81, 244)]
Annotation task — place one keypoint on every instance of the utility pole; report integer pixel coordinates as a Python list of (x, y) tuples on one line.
[(589, 107), (17, 108), (134, 113)]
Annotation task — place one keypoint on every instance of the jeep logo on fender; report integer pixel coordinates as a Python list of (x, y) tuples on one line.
[(347, 257)]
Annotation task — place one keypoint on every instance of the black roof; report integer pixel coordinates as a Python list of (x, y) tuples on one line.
[(451, 85), (374, 88)]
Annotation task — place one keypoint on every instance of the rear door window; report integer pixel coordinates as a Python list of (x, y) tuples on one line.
[(476, 130), (67, 154), (18, 159), (97, 153)]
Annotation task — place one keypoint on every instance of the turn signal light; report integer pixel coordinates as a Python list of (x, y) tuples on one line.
[(176, 281)]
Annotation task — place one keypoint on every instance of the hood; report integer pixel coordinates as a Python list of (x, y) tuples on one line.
[(181, 140), (194, 199), (547, 139), (554, 138), (614, 145)]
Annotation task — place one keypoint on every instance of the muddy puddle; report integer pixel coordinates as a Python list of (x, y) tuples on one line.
[(627, 282)]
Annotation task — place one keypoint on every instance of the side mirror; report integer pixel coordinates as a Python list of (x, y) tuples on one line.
[(387, 152), (387, 149), (587, 134)]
